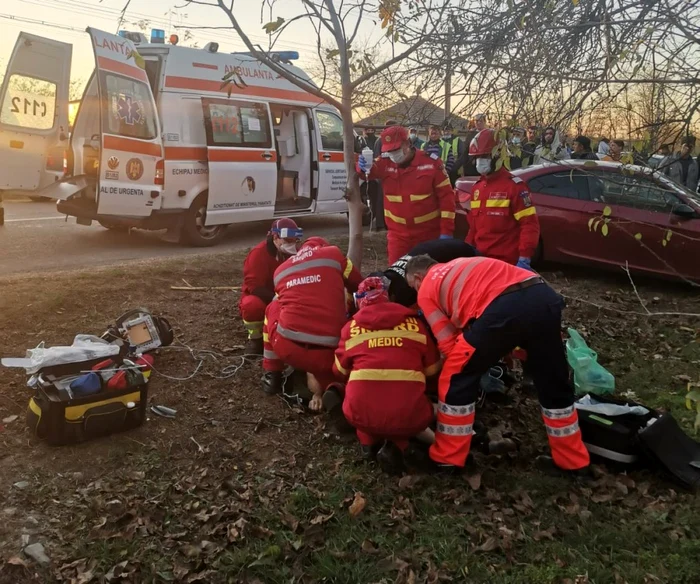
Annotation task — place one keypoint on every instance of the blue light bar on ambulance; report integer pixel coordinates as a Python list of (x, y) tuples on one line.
[(157, 36), (286, 55)]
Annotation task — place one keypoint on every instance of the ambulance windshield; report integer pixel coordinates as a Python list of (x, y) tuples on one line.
[(129, 108)]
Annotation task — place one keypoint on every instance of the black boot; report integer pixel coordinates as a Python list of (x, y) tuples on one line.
[(546, 465), (273, 382), (390, 459), (369, 453), (254, 347), (333, 405)]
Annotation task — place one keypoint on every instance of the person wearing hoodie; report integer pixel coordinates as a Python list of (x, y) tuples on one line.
[(385, 355), (603, 148), (258, 290), (303, 323), (582, 149), (551, 148)]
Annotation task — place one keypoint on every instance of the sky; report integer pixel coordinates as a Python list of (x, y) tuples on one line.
[(66, 20)]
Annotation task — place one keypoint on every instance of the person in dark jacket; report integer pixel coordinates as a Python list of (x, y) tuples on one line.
[(582, 149), (528, 149), (683, 169)]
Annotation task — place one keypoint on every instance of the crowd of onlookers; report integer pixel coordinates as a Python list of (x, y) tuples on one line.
[(528, 146)]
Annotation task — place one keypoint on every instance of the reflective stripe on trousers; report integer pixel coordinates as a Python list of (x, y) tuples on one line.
[(564, 436), (309, 338), (255, 329)]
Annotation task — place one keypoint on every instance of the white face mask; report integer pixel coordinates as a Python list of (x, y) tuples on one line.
[(516, 140), (397, 156), (289, 249), (413, 135), (483, 165)]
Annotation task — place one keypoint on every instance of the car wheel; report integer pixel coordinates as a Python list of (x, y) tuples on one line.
[(194, 230)]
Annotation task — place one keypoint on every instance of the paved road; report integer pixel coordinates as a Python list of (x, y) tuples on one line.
[(36, 239)]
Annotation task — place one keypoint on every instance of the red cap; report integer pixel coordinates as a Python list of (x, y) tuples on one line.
[(393, 137), (313, 242), (483, 143)]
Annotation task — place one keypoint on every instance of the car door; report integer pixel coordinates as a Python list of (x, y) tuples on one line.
[(639, 213), (33, 111), (242, 161), (332, 176), (131, 151), (560, 197)]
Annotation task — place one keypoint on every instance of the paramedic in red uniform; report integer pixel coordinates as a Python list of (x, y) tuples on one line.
[(480, 309), (303, 323), (385, 354), (419, 203), (282, 242), (503, 221)]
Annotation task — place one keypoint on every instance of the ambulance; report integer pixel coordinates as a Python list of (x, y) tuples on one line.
[(161, 141)]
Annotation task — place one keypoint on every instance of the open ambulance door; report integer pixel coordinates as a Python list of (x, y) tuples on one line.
[(332, 176), (242, 161), (130, 173), (34, 112)]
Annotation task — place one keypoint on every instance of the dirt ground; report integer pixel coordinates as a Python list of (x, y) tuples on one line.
[(244, 488)]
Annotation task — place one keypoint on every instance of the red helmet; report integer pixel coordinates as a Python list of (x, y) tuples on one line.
[(483, 143), (314, 242)]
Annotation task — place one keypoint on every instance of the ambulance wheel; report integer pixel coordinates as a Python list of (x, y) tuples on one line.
[(194, 230)]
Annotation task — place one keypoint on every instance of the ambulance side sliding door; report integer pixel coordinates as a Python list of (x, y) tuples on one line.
[(242, 161), (332, 177)]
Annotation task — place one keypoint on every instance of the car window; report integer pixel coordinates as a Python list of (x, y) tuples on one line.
[(236, 123), (569, 184), (636, 192), (130, 110), (331, 127)]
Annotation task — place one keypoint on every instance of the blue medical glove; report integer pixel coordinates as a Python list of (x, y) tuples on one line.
[(445, 237), (524, 263), (363, 163)]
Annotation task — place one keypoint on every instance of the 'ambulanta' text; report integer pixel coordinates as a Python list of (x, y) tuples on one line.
[(248, 72), (315, 279)]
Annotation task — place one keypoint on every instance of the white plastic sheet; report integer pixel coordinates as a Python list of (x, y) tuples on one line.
[(84, 348), (590, 404)]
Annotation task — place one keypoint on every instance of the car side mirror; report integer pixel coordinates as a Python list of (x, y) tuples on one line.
[(683, 210)]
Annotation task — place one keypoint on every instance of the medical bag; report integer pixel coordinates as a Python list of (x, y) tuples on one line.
[(609, 427), (72, 404)]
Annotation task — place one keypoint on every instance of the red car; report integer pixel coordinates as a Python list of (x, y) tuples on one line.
[(607, 214)]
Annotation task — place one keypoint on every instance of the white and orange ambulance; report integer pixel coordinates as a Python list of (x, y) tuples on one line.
[(161, 142)]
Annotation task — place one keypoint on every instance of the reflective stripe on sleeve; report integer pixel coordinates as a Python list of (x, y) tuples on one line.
[(266, 338), (454, 429), (419, 197), (456, 410), (447, 214), (524, 213), (474, 204), (308, 337), (387, 375), (444, 183), (558, 414), (426, 217), (307, 266), (562, 432), (339, 367), (393, 217), (498, 203), (394, 198), (348, 269)]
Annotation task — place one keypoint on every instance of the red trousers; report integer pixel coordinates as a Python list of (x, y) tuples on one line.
[(372, 439), (279, 351), (400, 241), (252, 311)]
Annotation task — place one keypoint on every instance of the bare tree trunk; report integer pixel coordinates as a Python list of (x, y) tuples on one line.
[(355, 205)]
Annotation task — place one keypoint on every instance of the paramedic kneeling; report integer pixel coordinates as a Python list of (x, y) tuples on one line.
[(479, 310), (385, 354), (303, 323), (282, 242)]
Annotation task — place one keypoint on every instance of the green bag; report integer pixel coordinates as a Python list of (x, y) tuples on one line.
[(589, 375)]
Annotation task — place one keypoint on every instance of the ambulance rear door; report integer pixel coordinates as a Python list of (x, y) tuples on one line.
[(130, 174), (332, 176), (33, 111), (242, 161)]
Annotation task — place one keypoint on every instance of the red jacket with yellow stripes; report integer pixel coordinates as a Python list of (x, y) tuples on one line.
[(503, 221), (385, 353), (453, 294), (310, 288), (416, 194)]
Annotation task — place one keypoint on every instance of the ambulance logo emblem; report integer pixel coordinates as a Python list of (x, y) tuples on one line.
[(476, 195), (134, 169), (113, 163), (129, 111), (248, 185)]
